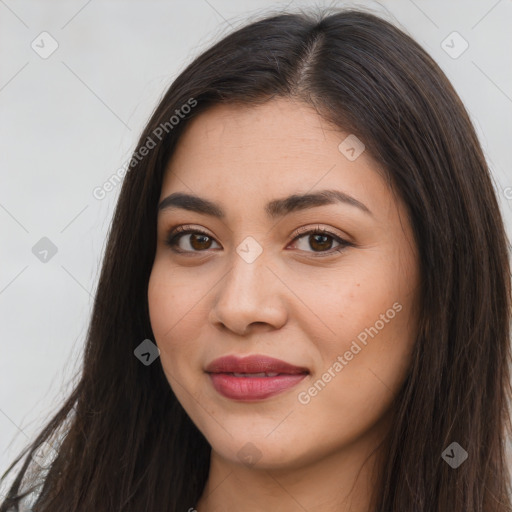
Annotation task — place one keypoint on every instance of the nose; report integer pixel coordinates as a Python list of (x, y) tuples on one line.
[(250, 296)]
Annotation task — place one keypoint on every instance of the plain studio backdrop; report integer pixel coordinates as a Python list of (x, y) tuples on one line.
[(78, 81)]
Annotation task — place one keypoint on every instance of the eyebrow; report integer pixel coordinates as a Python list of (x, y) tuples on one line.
[(274, 209)]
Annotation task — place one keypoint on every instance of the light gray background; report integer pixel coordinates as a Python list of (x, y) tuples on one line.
[(69, 121)]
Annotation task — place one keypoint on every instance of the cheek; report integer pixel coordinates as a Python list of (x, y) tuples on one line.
[(344, 307), (357, 390), (173, 309), (174, 297), (162, 303), (371, 315)]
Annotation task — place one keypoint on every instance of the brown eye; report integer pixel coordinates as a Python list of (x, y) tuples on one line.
[(199, 241), (189, 240), (320, 241)]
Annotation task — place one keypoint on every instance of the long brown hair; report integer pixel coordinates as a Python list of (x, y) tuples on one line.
[(124, 443)]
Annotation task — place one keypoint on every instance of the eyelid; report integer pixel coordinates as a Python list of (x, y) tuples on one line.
[(317, 227), (187, 227), (299, 231)]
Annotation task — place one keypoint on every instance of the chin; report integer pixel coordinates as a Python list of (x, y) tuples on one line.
[(256, 450)]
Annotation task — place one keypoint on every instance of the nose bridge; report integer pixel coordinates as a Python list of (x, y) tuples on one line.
[(247, 293), (247, 275)]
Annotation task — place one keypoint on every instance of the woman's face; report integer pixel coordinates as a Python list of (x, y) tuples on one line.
[(254, 276)]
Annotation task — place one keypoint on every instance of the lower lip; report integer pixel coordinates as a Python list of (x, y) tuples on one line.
[(253, 388)]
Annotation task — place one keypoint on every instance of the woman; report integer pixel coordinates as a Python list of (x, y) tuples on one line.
[(305, 297)]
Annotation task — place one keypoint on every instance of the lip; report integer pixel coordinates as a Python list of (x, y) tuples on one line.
[(253, 388), (253, 364)]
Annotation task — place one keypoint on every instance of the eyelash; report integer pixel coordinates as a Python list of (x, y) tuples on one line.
[(175, 234)]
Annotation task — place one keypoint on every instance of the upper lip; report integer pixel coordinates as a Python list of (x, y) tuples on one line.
[(253, 364)]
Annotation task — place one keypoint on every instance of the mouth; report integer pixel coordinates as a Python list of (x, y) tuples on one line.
[(253, 377)]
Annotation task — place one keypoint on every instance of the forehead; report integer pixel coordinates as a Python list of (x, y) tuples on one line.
[(277, 148), (285, 128)]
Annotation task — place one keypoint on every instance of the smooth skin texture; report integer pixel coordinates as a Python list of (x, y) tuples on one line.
[(300, 301)]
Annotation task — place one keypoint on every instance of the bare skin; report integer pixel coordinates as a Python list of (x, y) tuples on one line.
[(300, 300)]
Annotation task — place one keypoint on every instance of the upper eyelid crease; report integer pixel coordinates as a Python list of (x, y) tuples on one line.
[(186, 229), (275, 209)]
